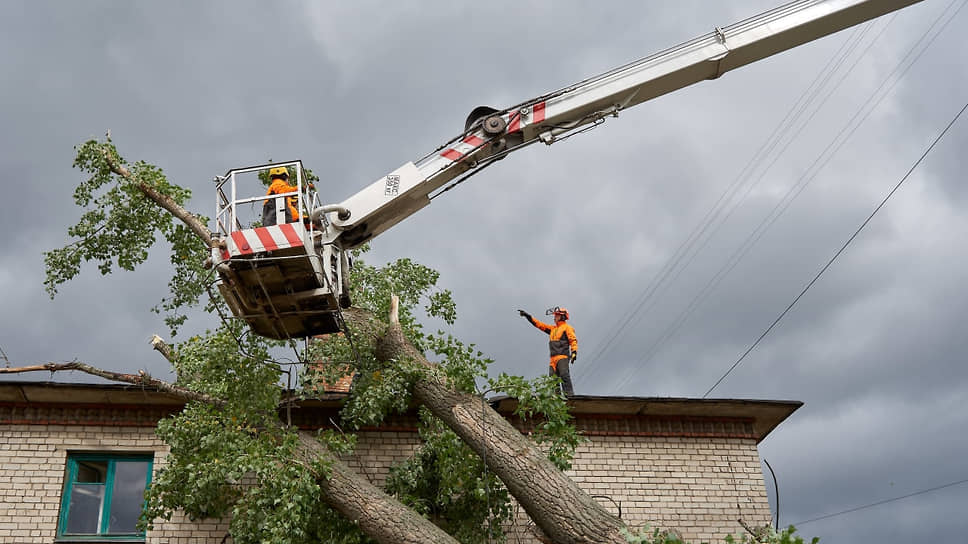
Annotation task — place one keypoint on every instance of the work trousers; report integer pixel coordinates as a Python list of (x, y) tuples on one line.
[(564, 373), (269, 213)]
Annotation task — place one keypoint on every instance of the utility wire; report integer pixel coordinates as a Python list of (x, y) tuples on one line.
[(715, 212), (818, 164), (878, 503), (744, 248), (711, 215), (841, 250), (782, 131)]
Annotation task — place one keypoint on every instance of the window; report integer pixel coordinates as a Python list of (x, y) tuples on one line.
[(103, 497)]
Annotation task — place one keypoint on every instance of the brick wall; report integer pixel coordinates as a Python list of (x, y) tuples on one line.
[(698, 486), (377, 451), (696, 477), (33, 460)]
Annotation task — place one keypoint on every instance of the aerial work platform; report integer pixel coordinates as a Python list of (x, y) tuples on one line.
[(285, 280)]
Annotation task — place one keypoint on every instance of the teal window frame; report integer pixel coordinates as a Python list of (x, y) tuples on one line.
[(111, 459)]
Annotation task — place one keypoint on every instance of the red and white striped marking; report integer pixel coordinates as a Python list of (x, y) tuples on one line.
[(515, 124), (467, 145), (245, 242), (537, 116)]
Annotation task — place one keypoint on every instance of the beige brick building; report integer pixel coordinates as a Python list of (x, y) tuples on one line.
[(686, 464)]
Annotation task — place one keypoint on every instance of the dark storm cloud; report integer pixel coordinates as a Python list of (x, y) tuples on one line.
[(875, 349)]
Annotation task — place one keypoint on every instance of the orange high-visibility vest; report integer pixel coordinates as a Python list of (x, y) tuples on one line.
[(278, 187), (561, 339)]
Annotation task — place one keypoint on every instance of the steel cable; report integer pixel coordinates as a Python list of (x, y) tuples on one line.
[(715, 211), (784, 203), (839, 252)]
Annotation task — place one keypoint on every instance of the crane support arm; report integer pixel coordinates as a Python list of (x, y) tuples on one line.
[(492, 134)]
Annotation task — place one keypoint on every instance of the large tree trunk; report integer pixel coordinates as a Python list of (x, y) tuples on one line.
[(380, 516), (556, 504), (565, 513)]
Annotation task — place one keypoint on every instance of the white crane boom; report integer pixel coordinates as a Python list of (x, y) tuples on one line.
[(289, 280), (493, 133)]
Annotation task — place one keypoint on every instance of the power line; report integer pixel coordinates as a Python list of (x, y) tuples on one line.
[(721, 203), (793, 117), (910, 58), (878, 503), (715, 212), (841, 250)]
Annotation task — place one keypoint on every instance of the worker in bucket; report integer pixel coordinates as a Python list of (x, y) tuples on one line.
[(563, 345), (279, 184)]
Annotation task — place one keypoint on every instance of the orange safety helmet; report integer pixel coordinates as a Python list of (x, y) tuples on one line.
[(561, 313)]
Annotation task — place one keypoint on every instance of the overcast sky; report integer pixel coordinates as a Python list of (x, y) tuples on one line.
[(875, 349)]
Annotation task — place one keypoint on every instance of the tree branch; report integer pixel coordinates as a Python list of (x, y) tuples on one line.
[(142, 378), (758, 533), (394, 310), (161, 347), (161, 199)]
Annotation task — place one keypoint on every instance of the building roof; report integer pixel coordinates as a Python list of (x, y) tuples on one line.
[(633, 414), (84, 393), (765, 415)]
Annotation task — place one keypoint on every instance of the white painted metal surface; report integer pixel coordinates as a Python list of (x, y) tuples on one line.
[(551, 116), (289, 281)]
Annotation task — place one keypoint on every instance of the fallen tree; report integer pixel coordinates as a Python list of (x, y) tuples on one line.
[(128, 205), (231, 454)]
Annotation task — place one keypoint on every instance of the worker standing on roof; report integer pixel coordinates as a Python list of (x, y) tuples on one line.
[(562, 343), (279, 184)]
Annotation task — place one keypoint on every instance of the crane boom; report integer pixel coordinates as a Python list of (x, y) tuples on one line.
[(287, 277), (549, 117)]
